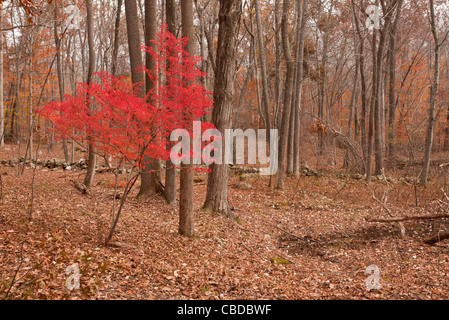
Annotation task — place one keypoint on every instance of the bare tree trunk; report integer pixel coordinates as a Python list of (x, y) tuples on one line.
[(2, 110), (151, 171), (361, 60), (116, 37), (298, 87), (248, 78), (92, 158), (73, 80), (186, 214), (352, 107), (377, 87), (291, 131), (287, 98), (135, 53), (263, 66), (278, 53), (60, 76), (446, 130), (229, 24), (147, 179), (391, 155), (433, 96), (322, 82), (30, 103), (170, 169), (371, 119)]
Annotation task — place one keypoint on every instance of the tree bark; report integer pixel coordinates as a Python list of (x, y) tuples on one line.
[(229, 24), (322, 81), (60, 76), (433, 96), (377, 86), (186, 214), (148, 182), (135, 54), (363, 88), (263, 66), (2, 110), (30, 102), (170, 169), (287, 98), (391, 153), (278, 58), (116, 37), (92, 159), (298, 87), (151, 171)]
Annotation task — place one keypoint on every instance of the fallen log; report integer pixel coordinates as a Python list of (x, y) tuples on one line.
[(437, 238), (80, 187), (105, 170), (407, 218), (402, 163)]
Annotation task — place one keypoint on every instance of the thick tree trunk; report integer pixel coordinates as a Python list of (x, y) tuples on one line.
[(186, 214), (283, 141), (391, 153), (263, 66), (116, 37), (170, 169), (377, 88), (298, 87), (151, 171), (92, 159), (135, 53), (363, 88), (148, 181), (229, 24)]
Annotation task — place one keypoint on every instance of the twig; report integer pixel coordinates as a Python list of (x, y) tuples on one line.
[(245, 247), (1, 188), (29, 282), (15, 274), (407, 218), (292, 234)]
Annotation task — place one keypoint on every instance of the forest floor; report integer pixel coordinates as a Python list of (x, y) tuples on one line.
[(316, 225)]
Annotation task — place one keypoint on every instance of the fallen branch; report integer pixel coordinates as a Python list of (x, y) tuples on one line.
[(407, 218), (384, 206), (437, 238), (15, 274), (80, 187), (289, 233), (105, 170), (245, 247)]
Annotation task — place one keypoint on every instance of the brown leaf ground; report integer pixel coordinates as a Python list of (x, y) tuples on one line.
[(316, 223)]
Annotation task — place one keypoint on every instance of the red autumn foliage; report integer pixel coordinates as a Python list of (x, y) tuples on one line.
[(128, 126)]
